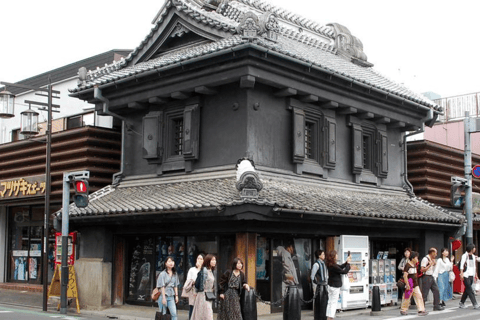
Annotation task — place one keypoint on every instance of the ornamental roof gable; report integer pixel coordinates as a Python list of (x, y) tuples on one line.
[(185, 30)]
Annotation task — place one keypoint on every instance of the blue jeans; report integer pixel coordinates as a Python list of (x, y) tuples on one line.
[(171, 306)]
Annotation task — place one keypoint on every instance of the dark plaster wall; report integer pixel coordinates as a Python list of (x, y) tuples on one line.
[(223, 129), (96, 242), (432, 239), (263, 133), (269, 129)]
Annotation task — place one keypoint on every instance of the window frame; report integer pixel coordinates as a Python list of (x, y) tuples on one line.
[(159, 137), (323, 138)]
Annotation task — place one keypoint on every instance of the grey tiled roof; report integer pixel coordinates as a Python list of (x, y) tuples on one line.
[(276, 193), (308, 48)]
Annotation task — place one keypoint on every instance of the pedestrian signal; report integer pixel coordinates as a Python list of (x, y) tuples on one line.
[(81, 193), (456, 197)]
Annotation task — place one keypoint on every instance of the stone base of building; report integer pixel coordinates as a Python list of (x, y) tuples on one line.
[(94, 283)]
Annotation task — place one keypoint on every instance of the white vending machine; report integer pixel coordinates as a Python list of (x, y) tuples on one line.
[(356, 295)]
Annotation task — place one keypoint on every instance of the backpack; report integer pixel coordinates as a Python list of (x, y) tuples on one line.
[(419, 267), (317, 278), (465, 265)]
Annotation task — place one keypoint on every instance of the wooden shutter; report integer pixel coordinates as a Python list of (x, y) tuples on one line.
[(298, 135), (330, 143), (357, 148), (382, 147), (191, 132), (152, 135)]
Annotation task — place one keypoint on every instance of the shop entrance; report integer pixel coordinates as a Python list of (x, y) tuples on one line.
[(282, 262), (145, 257), (25, 239)]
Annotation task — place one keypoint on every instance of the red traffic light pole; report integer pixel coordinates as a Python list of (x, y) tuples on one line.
[(68, 177)]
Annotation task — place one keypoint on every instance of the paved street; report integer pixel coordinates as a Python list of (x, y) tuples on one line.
[(18, 305), (22, 313)]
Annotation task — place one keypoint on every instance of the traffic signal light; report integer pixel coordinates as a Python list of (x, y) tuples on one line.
[(81, 193), (456, 197)]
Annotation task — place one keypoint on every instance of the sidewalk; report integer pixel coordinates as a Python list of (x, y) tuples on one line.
[(130, 312)]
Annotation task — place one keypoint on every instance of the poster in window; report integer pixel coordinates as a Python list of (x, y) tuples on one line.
[(140, 280), (20, 268), (33, 267)]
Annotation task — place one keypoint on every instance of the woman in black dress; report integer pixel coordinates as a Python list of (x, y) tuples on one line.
[(231, 284)]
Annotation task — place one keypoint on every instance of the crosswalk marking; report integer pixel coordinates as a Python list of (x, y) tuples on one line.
[(414, 316), (4, 311)]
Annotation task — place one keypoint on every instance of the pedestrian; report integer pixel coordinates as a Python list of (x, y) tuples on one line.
[(289, 273), (167, 283), (319, 278), (205, 288), (411, 287), (428, 281), (231, 284), (442, 275), (405, 259), (335, 272), (189, 286), (401, 267), (468, 271)]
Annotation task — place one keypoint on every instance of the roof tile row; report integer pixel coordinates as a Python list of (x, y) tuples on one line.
[(276, 193)]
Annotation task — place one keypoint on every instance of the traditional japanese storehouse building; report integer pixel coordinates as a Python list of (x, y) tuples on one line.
[(215, 83)]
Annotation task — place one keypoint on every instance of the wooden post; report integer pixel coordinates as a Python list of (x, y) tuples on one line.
[(246, 249), (329, 244)]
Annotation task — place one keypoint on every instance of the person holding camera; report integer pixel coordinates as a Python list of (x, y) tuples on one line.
[(335, 273)]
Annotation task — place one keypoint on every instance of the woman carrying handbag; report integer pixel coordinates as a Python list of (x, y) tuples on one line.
[(189, 287), (205, 288), (168, 283), (442, 274), (231, 284)]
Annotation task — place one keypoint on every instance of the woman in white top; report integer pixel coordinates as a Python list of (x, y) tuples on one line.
[(401, 266), (190, 282), (441, 273)]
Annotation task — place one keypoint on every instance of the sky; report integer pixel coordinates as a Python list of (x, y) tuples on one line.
[(427, 45)]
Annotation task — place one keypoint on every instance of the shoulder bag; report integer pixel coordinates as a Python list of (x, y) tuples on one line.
[(155, 294), (210, 296), (451, 276)]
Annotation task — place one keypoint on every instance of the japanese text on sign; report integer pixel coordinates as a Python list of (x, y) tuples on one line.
[(22, 187)]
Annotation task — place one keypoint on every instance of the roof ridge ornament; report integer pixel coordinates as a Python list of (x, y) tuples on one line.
[(349, 46), (249, 26), (248, 181), (270, 26)]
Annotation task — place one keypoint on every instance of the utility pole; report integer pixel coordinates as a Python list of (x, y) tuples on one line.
[(471, 125)]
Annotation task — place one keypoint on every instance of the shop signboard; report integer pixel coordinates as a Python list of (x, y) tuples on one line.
[(23, 187), (476, 202)]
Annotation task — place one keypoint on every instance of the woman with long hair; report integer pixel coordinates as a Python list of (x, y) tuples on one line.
[(205, 283), (335, 272), (441, 273), (231, 284), (167, 283), (190, 283)]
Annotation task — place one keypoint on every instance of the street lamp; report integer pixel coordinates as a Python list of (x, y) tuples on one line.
[(29, 122), (7, 100), (6, 111)]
